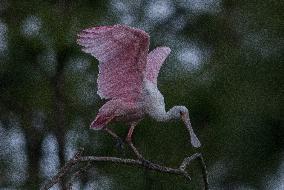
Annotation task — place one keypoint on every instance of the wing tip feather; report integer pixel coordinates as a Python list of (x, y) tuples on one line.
[(166, 49)]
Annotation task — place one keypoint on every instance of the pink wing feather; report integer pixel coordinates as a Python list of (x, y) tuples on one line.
[(122, 53), (155, 60)]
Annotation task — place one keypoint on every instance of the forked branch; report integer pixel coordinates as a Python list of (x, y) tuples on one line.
[(89, 160)]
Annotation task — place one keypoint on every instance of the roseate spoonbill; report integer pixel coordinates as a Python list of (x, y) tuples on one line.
[(128, 78)]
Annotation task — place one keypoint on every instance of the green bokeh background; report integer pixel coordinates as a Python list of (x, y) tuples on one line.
[(230, 78)]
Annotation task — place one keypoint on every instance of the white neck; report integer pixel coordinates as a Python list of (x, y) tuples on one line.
[(173, 113), (155, 105)]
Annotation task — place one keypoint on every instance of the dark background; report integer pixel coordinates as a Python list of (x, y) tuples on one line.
[(226, 66)]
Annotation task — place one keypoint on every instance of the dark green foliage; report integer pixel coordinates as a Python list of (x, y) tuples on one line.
[(235, 96)]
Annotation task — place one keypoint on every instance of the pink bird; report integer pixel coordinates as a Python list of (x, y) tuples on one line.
[(128, 78)]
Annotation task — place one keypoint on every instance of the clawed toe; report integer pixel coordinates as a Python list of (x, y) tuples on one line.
[(145, 163), (119, 144)]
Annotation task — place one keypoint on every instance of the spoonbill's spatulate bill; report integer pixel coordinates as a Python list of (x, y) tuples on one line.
[(128, 78)]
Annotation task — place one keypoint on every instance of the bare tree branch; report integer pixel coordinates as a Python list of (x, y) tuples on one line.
[(133, 162), (78, 174), (63, 171), (204, 171)]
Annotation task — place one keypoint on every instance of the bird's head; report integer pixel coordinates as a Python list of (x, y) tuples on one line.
[(177, 111), (182, 113)]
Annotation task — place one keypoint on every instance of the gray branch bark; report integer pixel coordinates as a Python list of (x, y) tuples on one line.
[(78, 158)]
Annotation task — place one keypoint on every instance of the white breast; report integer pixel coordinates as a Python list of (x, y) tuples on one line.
[(154, 101)]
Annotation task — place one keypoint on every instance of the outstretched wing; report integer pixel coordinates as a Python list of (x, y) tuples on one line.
[(122, 53), (155, 60)]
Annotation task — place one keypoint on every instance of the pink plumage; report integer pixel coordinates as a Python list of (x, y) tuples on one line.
[(155, 60), (122, 53), (128, 77)]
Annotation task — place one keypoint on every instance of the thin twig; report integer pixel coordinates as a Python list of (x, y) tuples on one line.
[(77, 174), (204, 172), (63, 170)]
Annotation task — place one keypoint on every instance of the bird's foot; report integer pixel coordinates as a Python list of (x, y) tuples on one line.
[(145, 163), (119, 144)]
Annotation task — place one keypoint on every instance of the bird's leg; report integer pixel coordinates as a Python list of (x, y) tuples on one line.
[(119, 143), (129, 141), (129, 134), (136, 152)]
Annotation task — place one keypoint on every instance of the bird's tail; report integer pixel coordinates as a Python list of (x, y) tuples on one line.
[(100, 122)]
